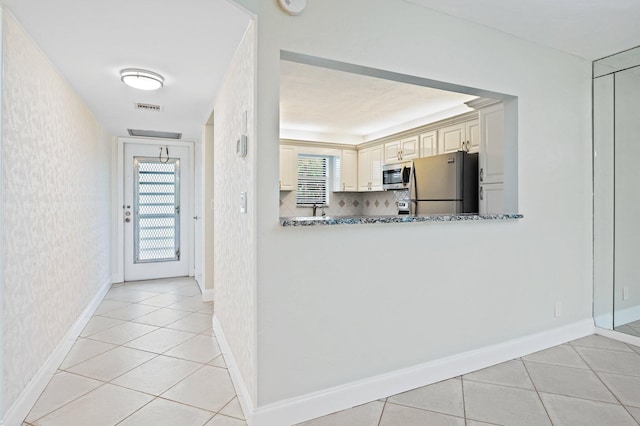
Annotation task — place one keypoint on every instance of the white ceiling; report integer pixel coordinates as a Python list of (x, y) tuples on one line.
[(590, 29), (192, 42), (327, 105), (189, 42)]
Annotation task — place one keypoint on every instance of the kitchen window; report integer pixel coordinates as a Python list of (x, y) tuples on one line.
[(313, 180)]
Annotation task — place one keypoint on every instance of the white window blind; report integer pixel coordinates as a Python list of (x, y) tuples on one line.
[(313, 180)]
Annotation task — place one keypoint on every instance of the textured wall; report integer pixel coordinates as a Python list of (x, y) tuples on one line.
[(55, 209), (235, 233)]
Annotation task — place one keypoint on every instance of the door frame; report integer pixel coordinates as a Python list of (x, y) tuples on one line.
[(117, 275)]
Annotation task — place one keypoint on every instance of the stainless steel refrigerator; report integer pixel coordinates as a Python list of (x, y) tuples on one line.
[(444, 184)]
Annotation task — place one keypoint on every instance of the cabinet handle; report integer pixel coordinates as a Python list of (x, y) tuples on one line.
[(481, 174), (481, 193), (399, 155)]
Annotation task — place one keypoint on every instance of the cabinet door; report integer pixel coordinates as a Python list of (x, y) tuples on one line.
[(429, 144), (472, 135), (410, 148), (364, 169), (288, 168), (349, 170), (376, 167), (450, 138), (492, 198), (491, 157), (392, 152)]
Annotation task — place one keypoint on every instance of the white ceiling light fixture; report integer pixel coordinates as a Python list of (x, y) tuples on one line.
[(141, 79)]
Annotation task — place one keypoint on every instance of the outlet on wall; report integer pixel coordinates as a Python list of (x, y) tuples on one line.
[(558, 309)]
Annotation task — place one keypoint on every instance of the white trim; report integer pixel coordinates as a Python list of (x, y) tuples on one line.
[(207, 295), (241, 389), (306, 407), (20, 409), (616, 335), (625, 316)]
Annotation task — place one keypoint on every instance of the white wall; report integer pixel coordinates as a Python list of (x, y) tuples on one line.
[(453, 287), (235, 233), (55, 209)]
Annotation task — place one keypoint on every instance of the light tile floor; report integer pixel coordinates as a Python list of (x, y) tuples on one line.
[(148, 357)]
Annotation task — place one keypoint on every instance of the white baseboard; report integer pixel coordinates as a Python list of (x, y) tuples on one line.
[(625, 316), (616, 335), (241, 389), (207, 296), (306, 407), (20, 409)]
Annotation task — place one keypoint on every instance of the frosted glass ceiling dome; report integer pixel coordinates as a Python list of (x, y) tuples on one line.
[(141, 79)]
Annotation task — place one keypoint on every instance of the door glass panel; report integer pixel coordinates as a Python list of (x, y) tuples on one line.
[(157, 210)]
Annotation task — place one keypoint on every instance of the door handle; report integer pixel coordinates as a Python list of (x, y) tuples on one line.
[(128, 219), (196, 217)]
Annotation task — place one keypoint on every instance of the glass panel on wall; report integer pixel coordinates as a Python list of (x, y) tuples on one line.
[(157, 210)]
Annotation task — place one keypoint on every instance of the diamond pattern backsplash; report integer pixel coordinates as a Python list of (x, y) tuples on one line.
[(346, 204)]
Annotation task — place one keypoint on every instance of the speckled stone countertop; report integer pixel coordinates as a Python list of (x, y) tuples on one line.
[(357, 220)]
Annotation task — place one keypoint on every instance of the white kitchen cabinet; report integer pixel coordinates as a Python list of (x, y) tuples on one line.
[(288, 168), (402, 150), (459, 137), (491, 198), (370, 162), (491, 157), (429, 144), (348, 171)]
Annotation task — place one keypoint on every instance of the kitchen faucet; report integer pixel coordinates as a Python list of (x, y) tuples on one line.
[(315, 209)]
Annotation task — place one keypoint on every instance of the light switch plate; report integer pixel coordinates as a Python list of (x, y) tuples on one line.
[(243, 202)]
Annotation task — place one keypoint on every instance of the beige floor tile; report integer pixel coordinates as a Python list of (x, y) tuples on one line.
[(84, 349), (218, 362), (111, 364), (110, 305), (199, 349), (208, 332), (395, 415), (161, 412), (222, 420), (134, 310), (631, 331), (635, 412), (98, 324), (160, 341), (233, 409), (625, 388), (564, 355), (193, 323), (209, 388), (157, 375), (362, 415), (123, 294), (163, 300), (191, 304), (510, 373), (611, 361), (207, 309), (568, 381), (503, 405), (104, 406), (161, 317), (601, 342), (477, 423), (188, 291), (123, 333), (62, 389), (443, 397), (565, 410)]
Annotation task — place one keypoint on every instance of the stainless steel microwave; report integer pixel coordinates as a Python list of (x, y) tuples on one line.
[(396, 176)]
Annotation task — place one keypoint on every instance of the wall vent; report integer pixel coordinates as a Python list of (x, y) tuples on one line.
[(148, 107), (154, 134)]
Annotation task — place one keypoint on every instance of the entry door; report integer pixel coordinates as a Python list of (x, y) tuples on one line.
[(156, 211)]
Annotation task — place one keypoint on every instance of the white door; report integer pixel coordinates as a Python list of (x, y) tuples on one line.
[(157, 182)]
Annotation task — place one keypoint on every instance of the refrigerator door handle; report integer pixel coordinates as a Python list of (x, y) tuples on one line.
[(481, 174), (481, 193)]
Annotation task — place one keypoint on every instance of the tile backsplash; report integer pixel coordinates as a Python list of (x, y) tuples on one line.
[(346, 203)]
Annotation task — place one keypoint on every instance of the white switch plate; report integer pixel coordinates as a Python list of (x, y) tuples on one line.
[(243, 202), (625, 293), (558, 309)]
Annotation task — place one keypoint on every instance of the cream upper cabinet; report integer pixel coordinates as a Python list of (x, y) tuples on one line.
[(429, 144), (370, 162), (459, 137), (349, 171), (288, 168), (491, 157), (402, 150)]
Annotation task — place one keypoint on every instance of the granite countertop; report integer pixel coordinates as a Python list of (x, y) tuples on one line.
[(357, 220)]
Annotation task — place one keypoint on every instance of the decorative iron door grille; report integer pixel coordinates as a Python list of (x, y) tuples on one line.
[(156, 204)]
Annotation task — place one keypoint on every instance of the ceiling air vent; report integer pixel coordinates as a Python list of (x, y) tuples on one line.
[(154, 134), (148, 107)]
